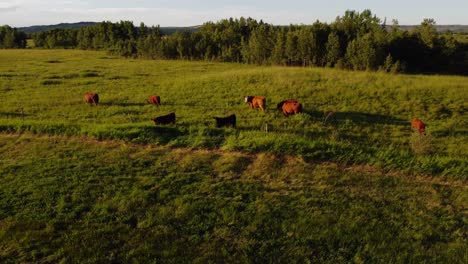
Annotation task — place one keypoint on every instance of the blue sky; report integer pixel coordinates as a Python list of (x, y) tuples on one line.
[(19, 13)]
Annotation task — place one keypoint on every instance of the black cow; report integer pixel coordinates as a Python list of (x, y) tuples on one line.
[(226, 121), (165, 119)]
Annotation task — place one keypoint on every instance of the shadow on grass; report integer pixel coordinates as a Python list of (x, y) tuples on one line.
[(296, 131), (13, 114), (147, 134), (163, 134), (123, 104), (358, 118)]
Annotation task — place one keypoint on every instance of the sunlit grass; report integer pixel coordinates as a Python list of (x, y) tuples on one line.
[(69, 199), (85, 184), (43, 91)]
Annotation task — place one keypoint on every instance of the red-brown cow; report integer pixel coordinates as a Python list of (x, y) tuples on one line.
[(417, 124), (154, 99), (165, 119), (290, 107), (255, 101), (91, 98)]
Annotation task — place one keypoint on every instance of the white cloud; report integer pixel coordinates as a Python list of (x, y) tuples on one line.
[(8, 9)]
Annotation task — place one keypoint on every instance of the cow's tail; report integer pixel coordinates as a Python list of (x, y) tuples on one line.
[(325, 118)]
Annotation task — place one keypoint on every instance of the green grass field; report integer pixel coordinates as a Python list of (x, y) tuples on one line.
[(82, 184)]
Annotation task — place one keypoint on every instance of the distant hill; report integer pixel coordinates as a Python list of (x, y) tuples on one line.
[(171, 30), (37, 29), (440, 28)]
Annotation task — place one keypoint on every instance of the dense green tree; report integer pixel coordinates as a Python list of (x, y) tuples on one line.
[(292, 51), (321, 32), (333, 50), (354, 24), (355, 40), (363, 53), (184, 44), (428, 33), (278, 56), (260, 45), (307, 46), (12, 38)]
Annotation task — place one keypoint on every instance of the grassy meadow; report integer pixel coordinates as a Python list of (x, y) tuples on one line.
[(43, 93), (83, 184)]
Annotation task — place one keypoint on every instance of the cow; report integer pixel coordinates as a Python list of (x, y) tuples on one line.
[(91, 98), (255, 101), (165, 119), (154, 99), (417, 124), (290, 107), (226, 121)]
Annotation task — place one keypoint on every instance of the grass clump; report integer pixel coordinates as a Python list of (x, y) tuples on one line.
[(89, 74), (51, 82), (422, 144)]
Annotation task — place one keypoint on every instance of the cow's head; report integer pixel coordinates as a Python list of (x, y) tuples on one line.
[(280, 106), (422, 131)]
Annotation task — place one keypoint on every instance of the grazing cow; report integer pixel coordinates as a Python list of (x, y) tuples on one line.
[(417, 124), (165, 119), (226, 121), (91, 98), (154, 99), (290, 107), (255, 102)]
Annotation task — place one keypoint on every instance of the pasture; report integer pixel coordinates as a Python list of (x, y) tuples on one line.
[(371, 125), (102, 183)]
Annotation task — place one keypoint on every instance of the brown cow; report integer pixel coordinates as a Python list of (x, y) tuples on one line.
[(417, 124), (165, 119), (91, 98), (290, 107), (255, 102), (154, 99), (226, 121)]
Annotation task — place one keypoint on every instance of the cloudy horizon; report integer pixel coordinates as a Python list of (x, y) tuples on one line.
[(23, 13)]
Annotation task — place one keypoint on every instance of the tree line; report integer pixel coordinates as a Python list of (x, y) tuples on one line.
[(11, 38), (355, 40)]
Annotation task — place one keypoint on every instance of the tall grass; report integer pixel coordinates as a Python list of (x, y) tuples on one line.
[(77, 200)]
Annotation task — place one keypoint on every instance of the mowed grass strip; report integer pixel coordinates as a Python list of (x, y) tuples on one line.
[(69, 199), (370, 125)]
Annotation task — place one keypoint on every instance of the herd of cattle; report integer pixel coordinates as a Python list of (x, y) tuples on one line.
[(288, 107)]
